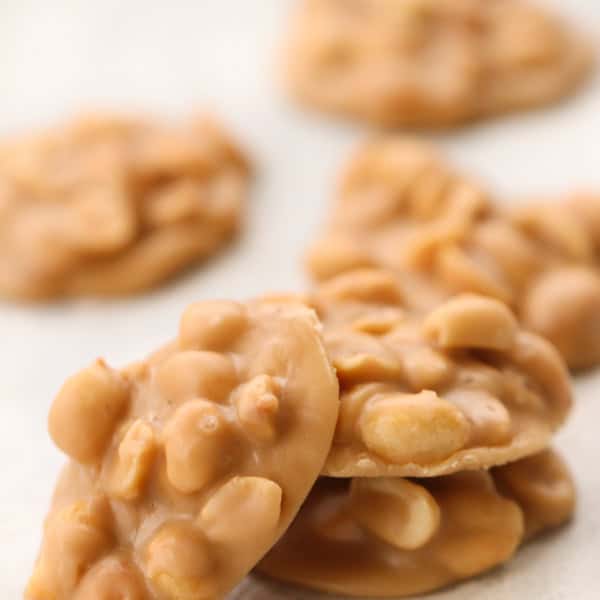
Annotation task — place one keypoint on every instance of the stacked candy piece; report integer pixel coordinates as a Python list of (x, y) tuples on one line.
[(440, 466)]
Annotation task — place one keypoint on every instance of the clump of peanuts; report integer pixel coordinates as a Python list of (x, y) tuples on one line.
[(462, 387), (431, 63), (111, 205), (390, 537), (185, 468), (441, 233)]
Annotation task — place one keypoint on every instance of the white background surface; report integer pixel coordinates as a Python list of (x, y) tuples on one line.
[(173, 58)]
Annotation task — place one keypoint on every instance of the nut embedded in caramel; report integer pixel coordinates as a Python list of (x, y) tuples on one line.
[(253, 506), (490, 419), (196, 374), (187, 467), (134, 459), (396, 510), (84, 413), (562, 305), (258, 407), (412, 428), (211, 325), (471, 322), (179, 565), (199, 443), (544, 488)]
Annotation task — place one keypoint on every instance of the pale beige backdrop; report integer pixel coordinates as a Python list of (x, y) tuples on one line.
[(173, 57)]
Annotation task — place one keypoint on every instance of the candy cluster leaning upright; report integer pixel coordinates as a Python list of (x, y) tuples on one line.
[(185, 468)]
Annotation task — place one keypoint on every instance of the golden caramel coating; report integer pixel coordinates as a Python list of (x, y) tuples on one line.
[(110, 205), (400, 207), (187, 467), (396, 537), (431, 63), (459, 388), (543, 487)]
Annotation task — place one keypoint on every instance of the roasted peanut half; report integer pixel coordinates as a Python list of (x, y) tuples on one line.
[(480, 528), (257, 403), (253, 508), (86, 410), (352, 404), (179, 564), (400, 512), (424, 367), (134, 461), (538, 361), (413, 428), (196, 374), (211, 325), (543, 487), (563, 306), (199, 444), (491, 423), (359, 357), (470, 321)]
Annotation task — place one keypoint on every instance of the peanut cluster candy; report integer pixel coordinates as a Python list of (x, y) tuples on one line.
[(396, 537), (187, 467), (402, 208), (461, 387), (431, 63), (110, 205)]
